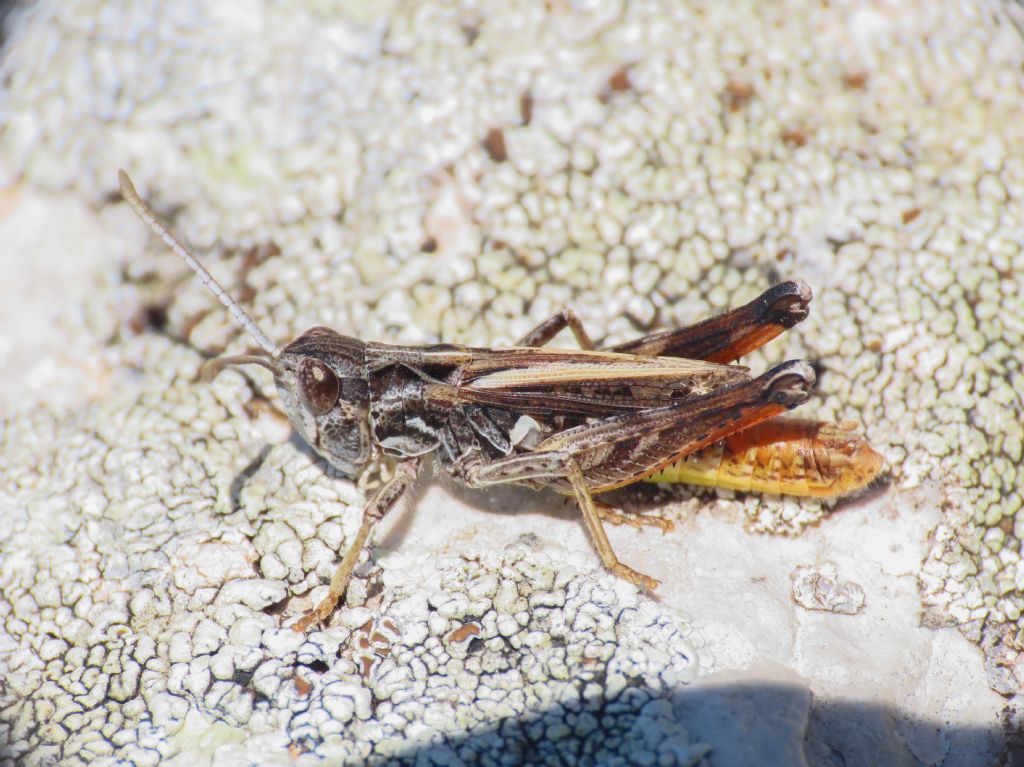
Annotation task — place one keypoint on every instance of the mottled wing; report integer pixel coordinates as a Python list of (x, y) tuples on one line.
[(586, 383)]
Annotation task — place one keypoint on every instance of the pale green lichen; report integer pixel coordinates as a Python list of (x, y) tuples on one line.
[(658, 164)]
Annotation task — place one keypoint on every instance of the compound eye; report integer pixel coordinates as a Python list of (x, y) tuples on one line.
[(318, 386)]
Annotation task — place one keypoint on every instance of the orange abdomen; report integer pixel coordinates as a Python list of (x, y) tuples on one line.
[(783, 455)]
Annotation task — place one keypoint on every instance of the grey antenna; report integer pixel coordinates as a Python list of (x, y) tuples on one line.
[(149, 218)]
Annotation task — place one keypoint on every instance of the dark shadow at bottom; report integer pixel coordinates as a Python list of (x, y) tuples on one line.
[(710, 724), (732, 724)]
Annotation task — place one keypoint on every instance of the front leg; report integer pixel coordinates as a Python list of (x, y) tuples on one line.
[(382, 502), (554, 466)]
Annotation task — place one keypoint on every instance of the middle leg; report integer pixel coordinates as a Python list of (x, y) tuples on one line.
[(616, 516), (555, 324)]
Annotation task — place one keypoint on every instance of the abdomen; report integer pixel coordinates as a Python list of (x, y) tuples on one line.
[(783, 455)]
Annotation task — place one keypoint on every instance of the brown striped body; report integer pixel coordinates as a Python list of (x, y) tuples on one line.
[(788, 456)]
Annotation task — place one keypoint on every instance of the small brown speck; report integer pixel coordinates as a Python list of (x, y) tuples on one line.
[(390, 626), (494, 144), (149, 317), (245, 293), (302, 686), (874, 345), (856, 80), (526, 107), (910, 215), (471, 32), (366, 627), (463, 632), (794, 136), (738, 95), (620, 81), (367, 666)]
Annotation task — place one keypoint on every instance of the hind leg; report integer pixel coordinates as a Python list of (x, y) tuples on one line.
[(729, 336), (554, 466)]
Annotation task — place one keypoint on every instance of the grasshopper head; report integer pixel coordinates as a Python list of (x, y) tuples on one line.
[(321, 378)]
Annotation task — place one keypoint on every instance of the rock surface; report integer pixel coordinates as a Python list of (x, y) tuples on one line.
[(412, 172)]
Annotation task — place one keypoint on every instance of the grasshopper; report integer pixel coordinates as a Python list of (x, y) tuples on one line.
[(580, 422)]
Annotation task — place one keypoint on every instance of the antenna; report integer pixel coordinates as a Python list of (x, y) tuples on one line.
[(149, 218)]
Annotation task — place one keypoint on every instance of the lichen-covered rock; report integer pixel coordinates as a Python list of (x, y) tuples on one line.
[(421, 171), (819, 588)]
